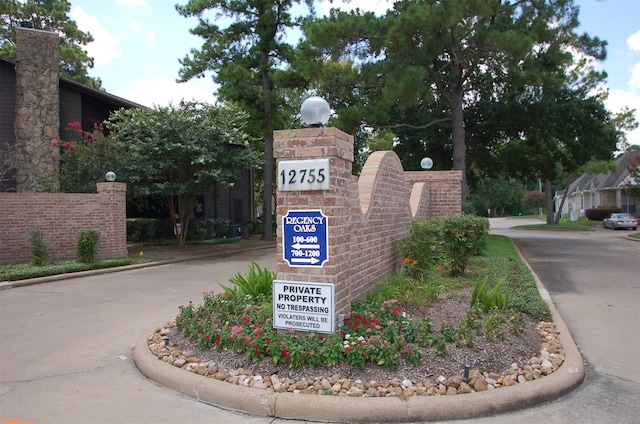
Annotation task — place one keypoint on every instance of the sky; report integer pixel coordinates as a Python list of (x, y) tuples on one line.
[(138, 44)]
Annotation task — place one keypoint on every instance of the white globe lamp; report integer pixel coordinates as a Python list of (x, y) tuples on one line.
[(315, 111), (110, 176), (426, 163)]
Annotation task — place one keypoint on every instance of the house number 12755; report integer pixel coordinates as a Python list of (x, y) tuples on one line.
[(300, 175)]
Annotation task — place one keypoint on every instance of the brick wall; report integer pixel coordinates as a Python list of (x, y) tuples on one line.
[(443, 190), (60, 216), (366, 215)]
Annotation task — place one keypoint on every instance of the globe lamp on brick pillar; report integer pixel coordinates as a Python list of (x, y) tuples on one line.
[(315, 111), (110, 176)]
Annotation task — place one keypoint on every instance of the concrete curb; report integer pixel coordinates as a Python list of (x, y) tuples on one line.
[(372, 410)]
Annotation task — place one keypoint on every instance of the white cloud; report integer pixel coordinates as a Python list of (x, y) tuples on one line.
[(105, 46), (619, 99), (149, 36), (634, 42), (162, 92), (134, 26), (634, 81)]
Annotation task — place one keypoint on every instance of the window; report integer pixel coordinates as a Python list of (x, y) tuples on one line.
[(628, 204)]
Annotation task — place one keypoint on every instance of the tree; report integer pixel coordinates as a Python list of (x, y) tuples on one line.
[(552, 128), (179, 153), (496, 197), (450, 53), (532, 200), (54, 15), (248, 59), (633, 185), (85, 158)]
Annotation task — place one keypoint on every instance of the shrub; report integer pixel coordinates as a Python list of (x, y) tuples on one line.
[(198, 230), (598, 214), (422, 244), (449, 240), (87, 242), (258, 281), (533, 199), (141, 229), (256, 225), (39, 248), (487, 299), (221, 226), (462, 237)]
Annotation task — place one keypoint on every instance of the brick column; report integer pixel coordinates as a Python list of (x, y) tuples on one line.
[(337, 203), (37, 122), (114, 202)]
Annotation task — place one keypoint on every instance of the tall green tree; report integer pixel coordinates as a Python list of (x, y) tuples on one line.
[(54, 15), (248, 57), (427, 52), (550, 121), (497, 197), (177, 153)]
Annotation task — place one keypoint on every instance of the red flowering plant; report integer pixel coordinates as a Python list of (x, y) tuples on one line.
[(380, 332), (377, 332), (85, 158), (533, 199)]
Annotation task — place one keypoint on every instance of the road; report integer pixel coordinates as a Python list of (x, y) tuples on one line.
[(594, 280), (65, 347)]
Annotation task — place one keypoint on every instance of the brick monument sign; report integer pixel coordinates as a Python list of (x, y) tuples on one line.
[(336, 231)]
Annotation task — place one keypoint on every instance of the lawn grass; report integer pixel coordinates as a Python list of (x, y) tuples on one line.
[(25, 270), (498, 261), (500, 246), (565, 224)]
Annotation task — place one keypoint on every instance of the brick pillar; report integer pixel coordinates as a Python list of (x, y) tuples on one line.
[(37, 122), (337, 203), (114, 202)]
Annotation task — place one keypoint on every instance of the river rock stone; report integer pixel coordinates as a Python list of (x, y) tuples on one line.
[(480, 385)]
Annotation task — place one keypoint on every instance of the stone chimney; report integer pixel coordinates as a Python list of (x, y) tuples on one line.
[(37, 121)]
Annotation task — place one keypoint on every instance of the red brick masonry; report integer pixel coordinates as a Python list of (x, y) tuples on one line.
[(365, 215), (59, 216)]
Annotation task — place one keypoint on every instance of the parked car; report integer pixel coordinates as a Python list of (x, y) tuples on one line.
[(620, 220)]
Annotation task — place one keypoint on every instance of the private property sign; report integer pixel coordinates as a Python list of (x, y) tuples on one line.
[(305, 238), (303, 306)]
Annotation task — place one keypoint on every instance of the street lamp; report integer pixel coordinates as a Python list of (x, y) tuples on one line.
[(315, 111), (426, 163), (110, 176)]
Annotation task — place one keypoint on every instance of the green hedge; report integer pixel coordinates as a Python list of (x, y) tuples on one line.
[(598, 214), (448, 240), (141, 229)]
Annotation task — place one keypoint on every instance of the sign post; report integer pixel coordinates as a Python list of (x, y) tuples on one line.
[(305, 238)]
